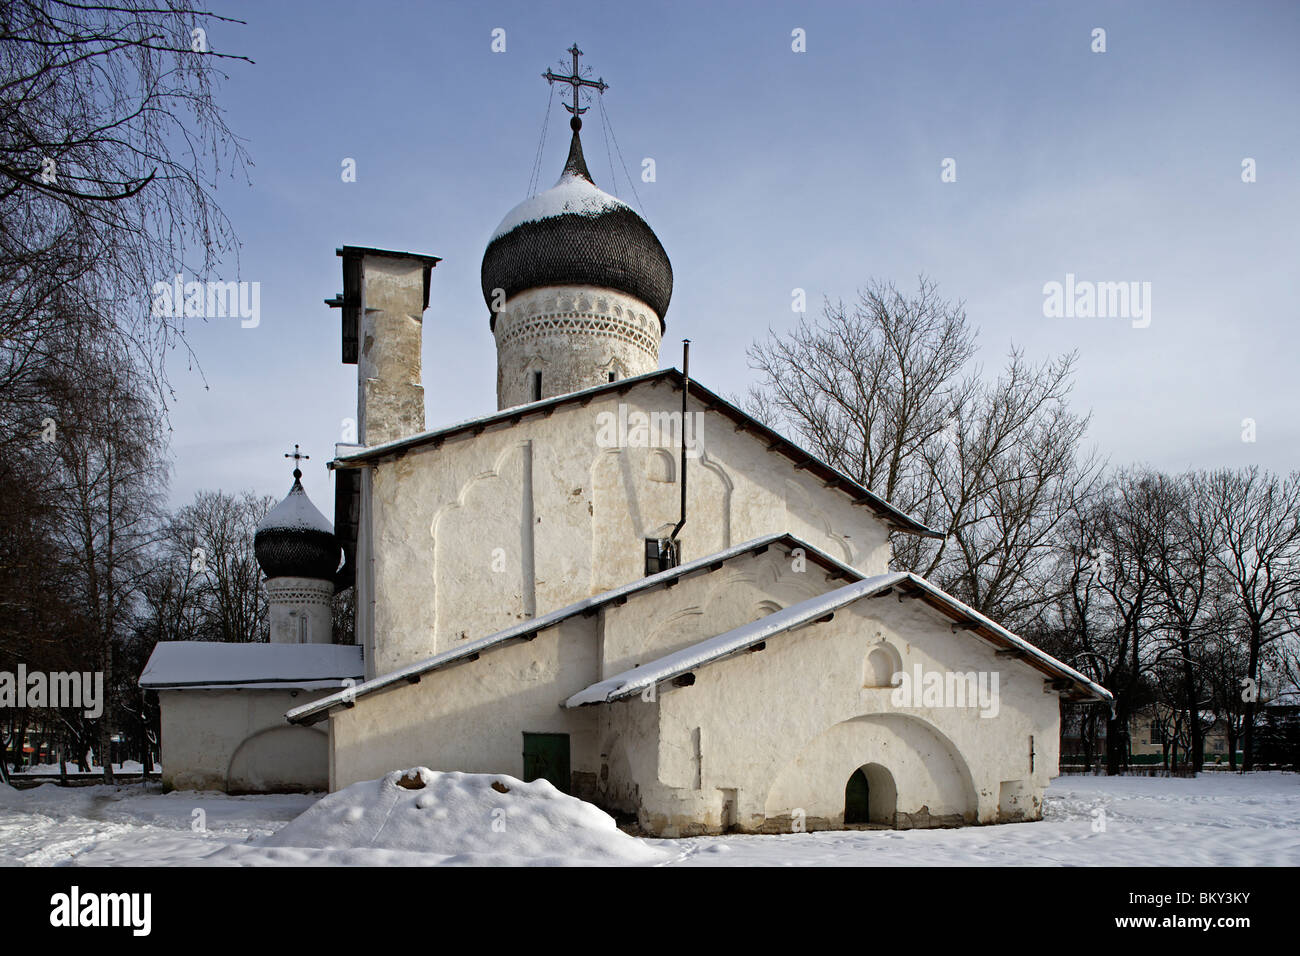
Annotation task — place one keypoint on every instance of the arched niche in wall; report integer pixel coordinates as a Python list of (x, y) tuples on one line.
[(881, 664), (660, 465)]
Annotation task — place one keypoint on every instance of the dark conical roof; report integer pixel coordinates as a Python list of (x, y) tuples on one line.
[(576, 234), (294, 540), (576, 164)]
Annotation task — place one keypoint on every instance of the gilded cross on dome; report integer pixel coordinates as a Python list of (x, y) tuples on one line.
[(577, 81)]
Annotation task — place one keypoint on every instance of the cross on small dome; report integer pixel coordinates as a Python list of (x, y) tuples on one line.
[(297, 456)]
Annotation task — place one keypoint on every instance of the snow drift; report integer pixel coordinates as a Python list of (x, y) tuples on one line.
[(474, 818)]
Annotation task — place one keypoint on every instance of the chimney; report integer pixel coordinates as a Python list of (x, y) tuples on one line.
[(384, 297)]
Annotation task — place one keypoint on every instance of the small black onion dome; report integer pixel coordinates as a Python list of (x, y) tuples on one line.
[(294, 540), (576, 234)]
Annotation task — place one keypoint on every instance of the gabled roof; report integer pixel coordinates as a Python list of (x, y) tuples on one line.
[(907, 584), (636, 680), (214, 665), (526, 630), (742, 420)]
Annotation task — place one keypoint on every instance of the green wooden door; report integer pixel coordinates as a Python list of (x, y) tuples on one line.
[(546, 756), (857, 803)]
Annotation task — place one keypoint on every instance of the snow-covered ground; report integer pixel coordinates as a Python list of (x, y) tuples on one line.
[(1217, 819)]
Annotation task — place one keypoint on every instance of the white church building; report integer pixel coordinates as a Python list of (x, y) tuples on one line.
[(618, 581)]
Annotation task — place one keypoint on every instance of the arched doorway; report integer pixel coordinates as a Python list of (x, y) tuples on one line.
[(870, 796), (857, 798), (918, 767)]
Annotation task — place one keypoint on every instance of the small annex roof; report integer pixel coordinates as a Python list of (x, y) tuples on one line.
[(216, 665), (632, 682), (743, 421), (318, 710)]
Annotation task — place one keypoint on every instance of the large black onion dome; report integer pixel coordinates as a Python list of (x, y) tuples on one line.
[(576, 234), (295, 541)]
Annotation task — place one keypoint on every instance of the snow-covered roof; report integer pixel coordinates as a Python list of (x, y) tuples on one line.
[(722, 645), (635, 680), (216, 665), (318, 710), (775, 442), (570, 195)]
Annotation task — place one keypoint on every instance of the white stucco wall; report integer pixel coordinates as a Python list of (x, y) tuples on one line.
[(704, 605), (784, 728), (238, 741), (775, 733), (483, 531), (472, 716)]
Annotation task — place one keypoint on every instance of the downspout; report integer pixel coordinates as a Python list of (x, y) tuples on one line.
[(686, 388)]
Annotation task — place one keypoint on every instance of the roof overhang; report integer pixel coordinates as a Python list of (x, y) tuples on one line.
[(673, 667), (218, 665)]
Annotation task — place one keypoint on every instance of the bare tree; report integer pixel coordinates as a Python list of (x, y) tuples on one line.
[(865, 388), (1226, 656), (1076, 624), (1258, 519), (111, 147), (1185, 541), (110, 479), (1000, 487), (886, 392), (213, 539)]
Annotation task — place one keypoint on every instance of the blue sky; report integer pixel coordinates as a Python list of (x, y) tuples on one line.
[(777, 170)]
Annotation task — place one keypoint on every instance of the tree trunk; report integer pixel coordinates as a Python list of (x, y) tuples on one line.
[(19, 756), (1193, 700), (1248, 731), (105, 720), (1115, 740), (4, 759)]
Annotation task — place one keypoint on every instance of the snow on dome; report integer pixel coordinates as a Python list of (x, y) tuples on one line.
[(576, 234), (471, 818), (294, 540), (572, 195), (295, 513)]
